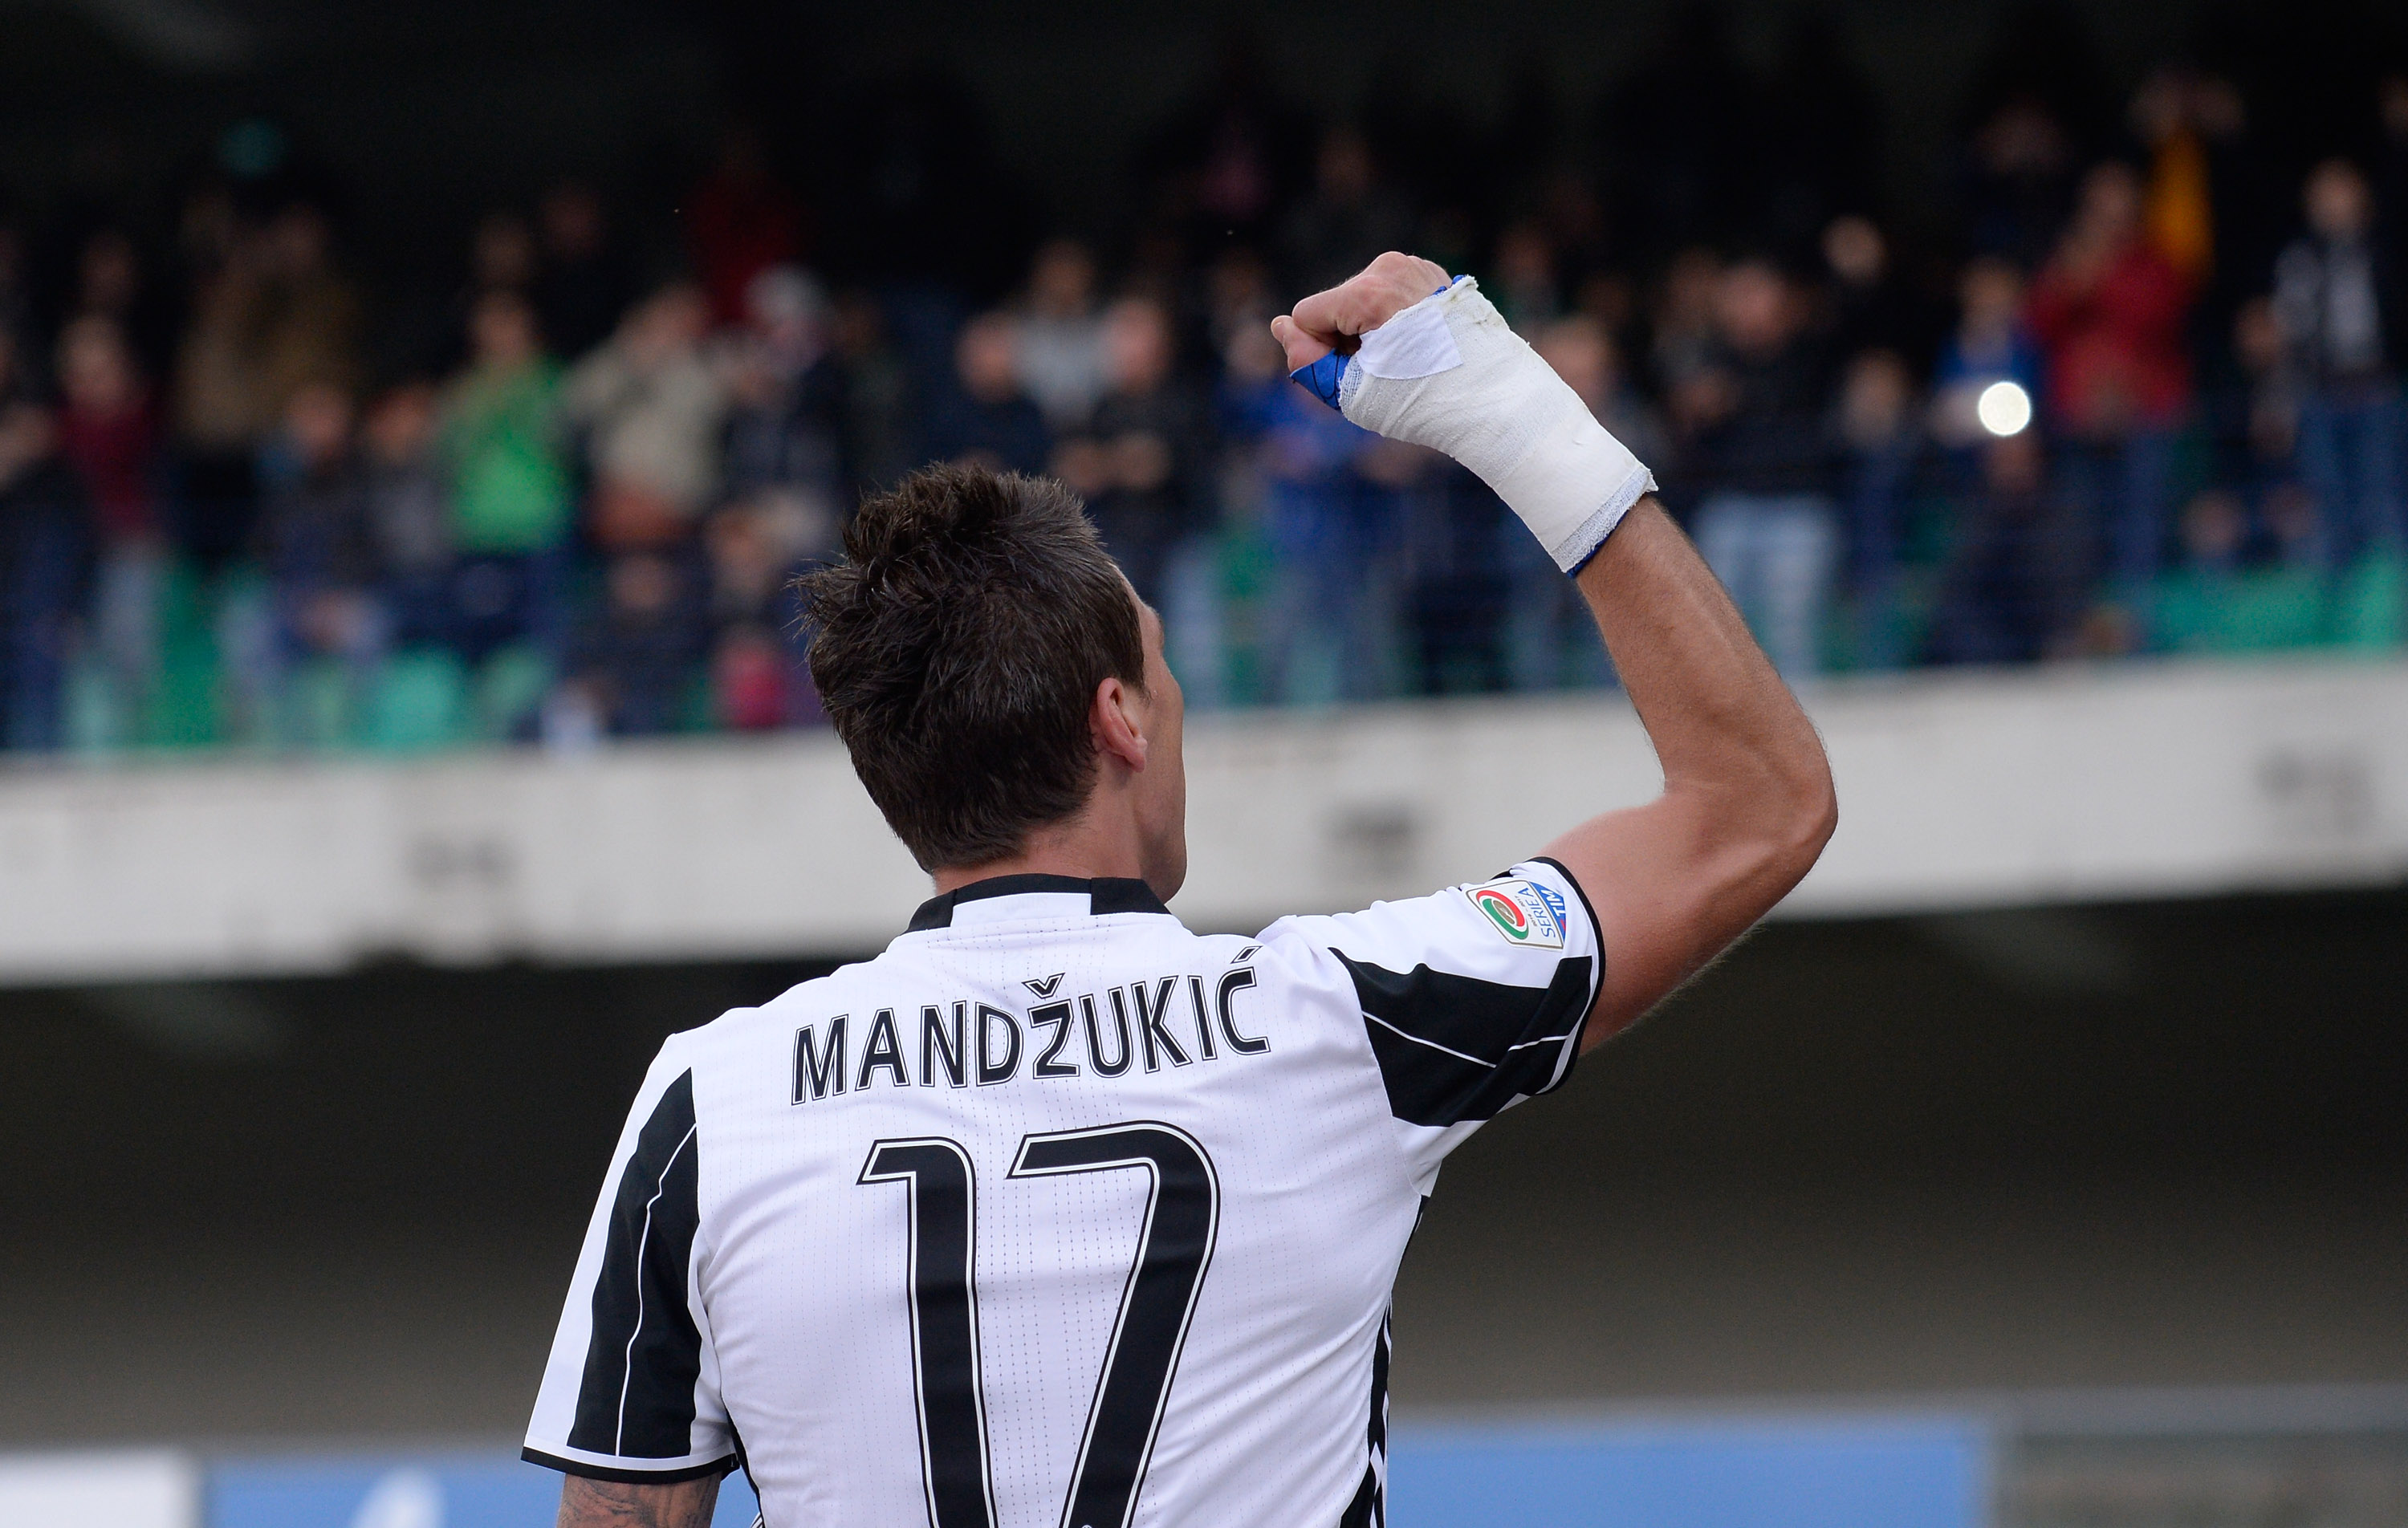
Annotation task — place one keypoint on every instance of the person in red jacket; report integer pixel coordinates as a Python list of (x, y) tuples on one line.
[(108, 434), (2108, 311)]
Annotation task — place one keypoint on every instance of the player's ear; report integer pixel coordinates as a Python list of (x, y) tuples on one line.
[(1113, 721)]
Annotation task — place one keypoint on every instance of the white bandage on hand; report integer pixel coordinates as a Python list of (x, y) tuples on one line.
[(1449, 374)]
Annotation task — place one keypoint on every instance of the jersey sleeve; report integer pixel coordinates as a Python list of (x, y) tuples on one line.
[(1472, 999), (632, 1389)]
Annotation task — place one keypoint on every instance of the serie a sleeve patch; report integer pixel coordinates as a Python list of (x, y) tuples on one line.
[(1522, 912)]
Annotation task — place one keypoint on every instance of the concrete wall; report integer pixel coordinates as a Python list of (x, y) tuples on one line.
[(2153, 1145), (1957, 792)]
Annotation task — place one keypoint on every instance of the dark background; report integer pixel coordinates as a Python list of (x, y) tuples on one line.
[(950, 137)]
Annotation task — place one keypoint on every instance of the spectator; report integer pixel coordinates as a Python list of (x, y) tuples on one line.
[(1253, 396), (989, 420), (651, 408), (635, 664), (582, 285), (1685, 324), (1988, 346), (109, 433), (2337, 307), (499, 442), (1061, 338), (316, 542), (1143, 465), (270, 314), (754, 685), (315, 536), (2214, 532), (785, 479), (1454, 582), (1869, 310), (1333, 538), (758, 678), (110, 282), (784, 430), (2108, 314), (223, 398), (409, 518), (1238, 298), (1757, 422), (2293, 529), (503, 255), (1527, 290), (1879, 435), (878, 407), (2011, 590), (2253, 408), (310, 327), (44, 537)]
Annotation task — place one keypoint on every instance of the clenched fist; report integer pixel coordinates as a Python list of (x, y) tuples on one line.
[(1440, 368), (1336, 318)]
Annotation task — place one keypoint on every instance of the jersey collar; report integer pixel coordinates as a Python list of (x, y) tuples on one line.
[(1036, 896)]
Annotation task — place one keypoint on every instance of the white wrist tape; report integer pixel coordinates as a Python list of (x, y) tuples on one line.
[(1449, 374)]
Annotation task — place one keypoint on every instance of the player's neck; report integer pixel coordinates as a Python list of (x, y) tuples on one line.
[(1080, 848)]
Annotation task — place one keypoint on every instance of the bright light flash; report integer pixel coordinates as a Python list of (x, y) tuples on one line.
[(2004, 408)]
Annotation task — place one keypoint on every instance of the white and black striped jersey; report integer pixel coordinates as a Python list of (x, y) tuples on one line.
[(1055, 1214)]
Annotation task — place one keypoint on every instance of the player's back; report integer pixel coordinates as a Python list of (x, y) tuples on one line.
[(1053, 1213)]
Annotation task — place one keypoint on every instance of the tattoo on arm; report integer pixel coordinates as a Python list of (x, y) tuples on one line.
[(614, 1504)]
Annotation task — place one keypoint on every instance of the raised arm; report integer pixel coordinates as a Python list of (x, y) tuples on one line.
[(610, 1503), (1747, 803)]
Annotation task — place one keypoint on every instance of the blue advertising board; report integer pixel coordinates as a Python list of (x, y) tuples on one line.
[(435, 1491), (1719, 1473)]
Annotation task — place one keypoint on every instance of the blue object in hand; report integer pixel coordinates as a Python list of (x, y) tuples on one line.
[(1322, 378)]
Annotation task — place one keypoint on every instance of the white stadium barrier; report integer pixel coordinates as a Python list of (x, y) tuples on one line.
[(113, 1488), (2073, 783)]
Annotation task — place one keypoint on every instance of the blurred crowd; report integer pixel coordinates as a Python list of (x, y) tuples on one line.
[(2132, 386)]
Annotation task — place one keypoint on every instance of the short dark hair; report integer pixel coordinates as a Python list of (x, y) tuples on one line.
[(957, 647)]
